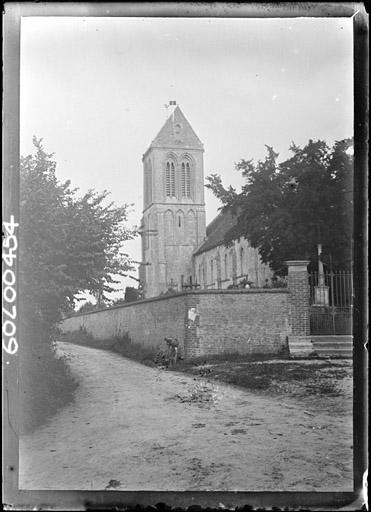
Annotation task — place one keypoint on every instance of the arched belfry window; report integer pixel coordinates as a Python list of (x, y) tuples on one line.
[(170, 179), (186, 179)]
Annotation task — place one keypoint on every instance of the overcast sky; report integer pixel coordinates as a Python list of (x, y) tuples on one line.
[(94, 89)]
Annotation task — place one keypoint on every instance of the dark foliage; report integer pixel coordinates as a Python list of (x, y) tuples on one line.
[(67, 245), (286, 209), (132, 294)]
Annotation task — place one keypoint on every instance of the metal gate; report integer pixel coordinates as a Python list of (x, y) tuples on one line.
[(331, 302)]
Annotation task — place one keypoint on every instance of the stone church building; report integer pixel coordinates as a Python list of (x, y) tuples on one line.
[(178, 250)]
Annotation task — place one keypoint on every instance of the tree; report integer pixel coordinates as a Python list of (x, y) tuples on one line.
[(286, 209), (68, 244)]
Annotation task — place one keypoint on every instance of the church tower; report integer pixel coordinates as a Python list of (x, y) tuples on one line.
[(173, 223)]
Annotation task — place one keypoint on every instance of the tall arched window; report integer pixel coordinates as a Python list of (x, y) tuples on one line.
[(218, 277), (186, 179), (241, 261), (211, 271), (170, 179), (183, 179), (226, 266), (233, 257)]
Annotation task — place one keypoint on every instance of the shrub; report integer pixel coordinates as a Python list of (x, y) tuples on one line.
[(46, 383)]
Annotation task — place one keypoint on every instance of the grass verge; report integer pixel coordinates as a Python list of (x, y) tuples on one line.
[(46, 383), (273, 375), (120, 344)]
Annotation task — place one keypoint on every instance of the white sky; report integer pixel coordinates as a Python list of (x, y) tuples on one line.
[(94, 89)]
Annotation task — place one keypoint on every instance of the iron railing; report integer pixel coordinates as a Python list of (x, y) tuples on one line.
[(336, 289), (331, 299)]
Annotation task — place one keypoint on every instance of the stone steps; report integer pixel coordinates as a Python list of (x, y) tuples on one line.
[(336, 345)]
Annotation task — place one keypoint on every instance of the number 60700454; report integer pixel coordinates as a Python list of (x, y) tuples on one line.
[(10, 245)]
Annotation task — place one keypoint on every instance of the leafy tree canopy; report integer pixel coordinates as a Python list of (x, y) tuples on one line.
[(68, 244), (286, 209)]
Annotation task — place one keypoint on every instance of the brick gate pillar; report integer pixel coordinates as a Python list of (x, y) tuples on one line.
[(300, 343)]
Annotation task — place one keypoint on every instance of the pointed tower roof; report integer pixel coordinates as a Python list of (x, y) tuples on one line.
[(176, 132)]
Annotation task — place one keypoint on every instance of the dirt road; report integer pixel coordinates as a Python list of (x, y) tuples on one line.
[(132, 427)]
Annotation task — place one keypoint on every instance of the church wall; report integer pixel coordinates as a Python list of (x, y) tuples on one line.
[(179, 263), (222, 266), (201, 225), (237, 321), (205, 322), (168, 247), (147, 322)]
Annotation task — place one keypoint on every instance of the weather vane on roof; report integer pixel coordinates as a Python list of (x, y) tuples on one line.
[(167, 105)]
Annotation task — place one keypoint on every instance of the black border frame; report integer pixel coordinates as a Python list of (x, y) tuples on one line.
[(76, 500)]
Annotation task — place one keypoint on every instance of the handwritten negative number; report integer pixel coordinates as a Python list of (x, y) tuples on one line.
[(10, 245)]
